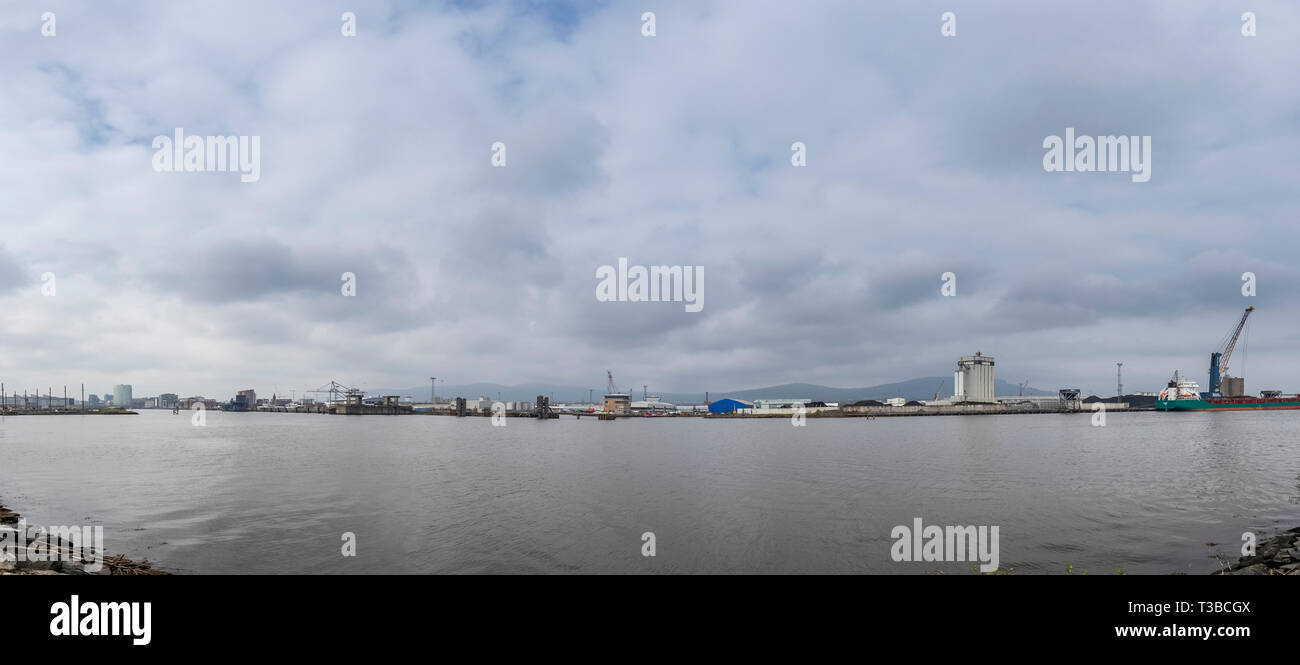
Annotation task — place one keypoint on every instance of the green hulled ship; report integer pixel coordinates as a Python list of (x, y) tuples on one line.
[(1226, 393)]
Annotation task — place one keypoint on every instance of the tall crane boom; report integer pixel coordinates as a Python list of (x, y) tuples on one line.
[(1219, 359)]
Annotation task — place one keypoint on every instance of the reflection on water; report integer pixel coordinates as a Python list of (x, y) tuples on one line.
[(263, 492)]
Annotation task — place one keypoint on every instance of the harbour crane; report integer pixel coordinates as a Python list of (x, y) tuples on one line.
[(1219, 358), (334, 389)]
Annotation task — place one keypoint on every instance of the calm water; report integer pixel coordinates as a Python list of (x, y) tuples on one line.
[(262, 492)]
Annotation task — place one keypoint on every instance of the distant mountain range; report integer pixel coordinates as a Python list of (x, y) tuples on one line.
[(912, 389)]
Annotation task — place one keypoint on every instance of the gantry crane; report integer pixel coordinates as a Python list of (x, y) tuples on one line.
[(334, 389)]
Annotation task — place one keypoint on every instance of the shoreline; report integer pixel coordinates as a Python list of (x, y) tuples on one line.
[(112, 565), (68, 412), (1279, 555)]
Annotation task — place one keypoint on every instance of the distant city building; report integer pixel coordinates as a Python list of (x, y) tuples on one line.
[(108, 399), (168, 400), (92, 401), (122, 395), (189, 402)]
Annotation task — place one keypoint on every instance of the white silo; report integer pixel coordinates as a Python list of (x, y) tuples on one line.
[(975, 379)]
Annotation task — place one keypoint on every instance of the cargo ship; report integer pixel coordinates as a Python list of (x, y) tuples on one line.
[(1184, 395), (1226, 393)]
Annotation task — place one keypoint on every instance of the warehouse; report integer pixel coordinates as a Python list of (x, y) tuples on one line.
[(728, 405)]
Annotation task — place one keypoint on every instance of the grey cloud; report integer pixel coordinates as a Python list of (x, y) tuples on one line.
[(12, 275), (924, 157)]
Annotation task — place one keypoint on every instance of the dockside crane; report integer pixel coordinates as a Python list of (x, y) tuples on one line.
[(1219, 358), (334, 389)]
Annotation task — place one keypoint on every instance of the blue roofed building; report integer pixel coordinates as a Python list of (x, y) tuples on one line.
[(728, 405)]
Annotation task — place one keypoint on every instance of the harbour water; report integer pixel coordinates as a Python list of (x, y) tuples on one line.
[(274, 492)]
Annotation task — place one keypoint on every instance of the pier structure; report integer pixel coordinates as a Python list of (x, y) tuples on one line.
[(354, 405)]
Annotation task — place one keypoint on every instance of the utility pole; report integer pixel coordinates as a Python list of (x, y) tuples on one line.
[(1119, 378), (589, 391)]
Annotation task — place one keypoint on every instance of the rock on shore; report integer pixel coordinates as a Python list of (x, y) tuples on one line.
[(25, 565), (1279, 555)]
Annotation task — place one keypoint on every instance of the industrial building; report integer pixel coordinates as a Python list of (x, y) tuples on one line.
[(652, 404), (728, 405), (973, 380), (781, 403), (620, 403), (1233, 386), (615, 402)]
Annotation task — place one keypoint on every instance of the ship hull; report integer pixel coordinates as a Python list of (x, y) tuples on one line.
[(1228, 404)]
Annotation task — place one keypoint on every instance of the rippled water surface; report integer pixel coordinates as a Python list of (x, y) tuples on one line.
[(273, 492)]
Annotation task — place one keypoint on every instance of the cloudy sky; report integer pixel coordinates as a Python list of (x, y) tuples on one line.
[(924, 156)]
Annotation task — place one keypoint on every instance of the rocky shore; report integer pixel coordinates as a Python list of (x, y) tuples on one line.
[(31, 563), (1279, 555)]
